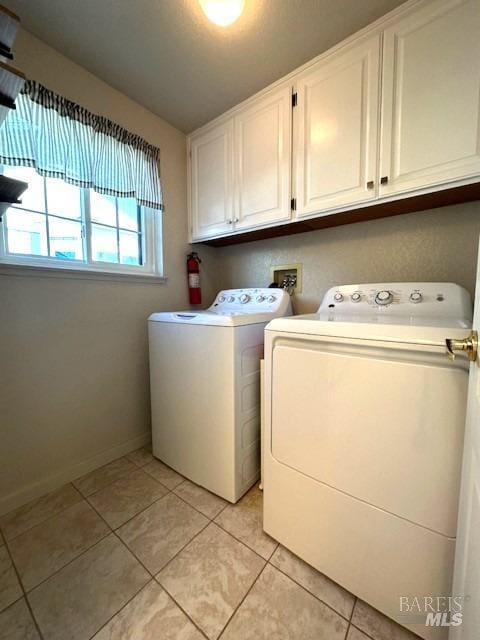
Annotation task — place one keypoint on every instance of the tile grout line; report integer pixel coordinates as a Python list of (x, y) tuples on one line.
[(244, 543), (81, 497), (29, 591), (347, 631), (110, 531), (22, 595), (27, 603), (355, 599), (80, 493), (152, 580), (312, 594), (195, 624), (197, 510), (109, 484), (121, 608), (153, 576), (113, 529), (241, 602), (180, 551)]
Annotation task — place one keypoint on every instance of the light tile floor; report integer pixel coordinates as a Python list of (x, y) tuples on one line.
[(133, 551)]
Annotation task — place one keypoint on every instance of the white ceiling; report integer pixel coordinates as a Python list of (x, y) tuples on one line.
[(165, 54)]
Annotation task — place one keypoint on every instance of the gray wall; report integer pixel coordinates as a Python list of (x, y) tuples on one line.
[(436, 245), (73, 350)]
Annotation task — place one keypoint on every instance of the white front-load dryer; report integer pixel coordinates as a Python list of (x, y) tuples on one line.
[(364, 421), (205, 388)]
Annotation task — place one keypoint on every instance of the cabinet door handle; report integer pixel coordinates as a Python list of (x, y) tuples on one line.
[(236, 219), (229, 221), (384, 180), (370, 184)]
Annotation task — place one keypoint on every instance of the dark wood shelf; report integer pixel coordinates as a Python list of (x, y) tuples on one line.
[(423, 202)]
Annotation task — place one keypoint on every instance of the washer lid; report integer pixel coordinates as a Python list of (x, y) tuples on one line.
[(412, 330), (211, 318), (234, 308)]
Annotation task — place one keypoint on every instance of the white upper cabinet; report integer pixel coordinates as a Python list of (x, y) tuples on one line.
[(336, 129), (431, 97), (394, 112), (211, 181), (262, 161)]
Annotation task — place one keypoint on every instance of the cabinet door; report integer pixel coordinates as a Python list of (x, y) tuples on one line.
[(431, 99), (211, 182), (262, 161), (337, 129)]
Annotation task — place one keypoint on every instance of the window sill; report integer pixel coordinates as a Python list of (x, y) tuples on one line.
[(36, 271)]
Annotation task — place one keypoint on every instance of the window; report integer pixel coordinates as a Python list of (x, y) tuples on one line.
[(60, 225)]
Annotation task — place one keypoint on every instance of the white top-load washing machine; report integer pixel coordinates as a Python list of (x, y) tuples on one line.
[(364, 422), (205, 387)]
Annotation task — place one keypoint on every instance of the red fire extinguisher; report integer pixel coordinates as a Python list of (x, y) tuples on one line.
[(193, 272)]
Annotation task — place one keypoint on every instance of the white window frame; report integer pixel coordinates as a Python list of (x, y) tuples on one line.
[(152, 248)]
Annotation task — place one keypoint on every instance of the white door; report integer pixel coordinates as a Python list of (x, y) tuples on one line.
[(262, 161), (336, 129), (466, 581), (211, 182), (431, 98)]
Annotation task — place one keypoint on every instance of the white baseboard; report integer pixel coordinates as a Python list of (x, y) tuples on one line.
[(45, 485)]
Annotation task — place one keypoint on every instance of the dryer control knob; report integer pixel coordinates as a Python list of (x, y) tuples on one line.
[(260, 298), (356, 297), (271, 299), (244, 298), (231, 299), (416, 296), (384, 297), (221, 299), (338, 297)]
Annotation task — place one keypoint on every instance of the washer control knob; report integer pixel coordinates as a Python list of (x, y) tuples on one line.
[(244, 298), (231, 299), (338, 297), (416, 296), (260, 298), (221, 299), (384, 297), (356, 297), (271, 299)]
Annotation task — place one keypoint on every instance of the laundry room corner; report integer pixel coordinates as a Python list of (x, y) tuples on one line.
[(239, 320), (440, 245)]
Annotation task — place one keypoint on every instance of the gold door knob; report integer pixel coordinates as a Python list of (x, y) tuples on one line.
[(468, 346)]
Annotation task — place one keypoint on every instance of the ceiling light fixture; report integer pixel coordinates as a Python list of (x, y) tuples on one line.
[(222, 12)]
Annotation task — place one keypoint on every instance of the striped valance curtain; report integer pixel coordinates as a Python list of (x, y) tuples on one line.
[(61, 139)]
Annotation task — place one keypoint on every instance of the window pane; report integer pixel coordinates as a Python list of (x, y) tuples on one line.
[(104, 244), (129, 248), (65, 239), (128, 213), (103, 209), (26, 232), (34, 196), (63, 199)]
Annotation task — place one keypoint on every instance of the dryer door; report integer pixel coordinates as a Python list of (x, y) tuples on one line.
[(381, 422)]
